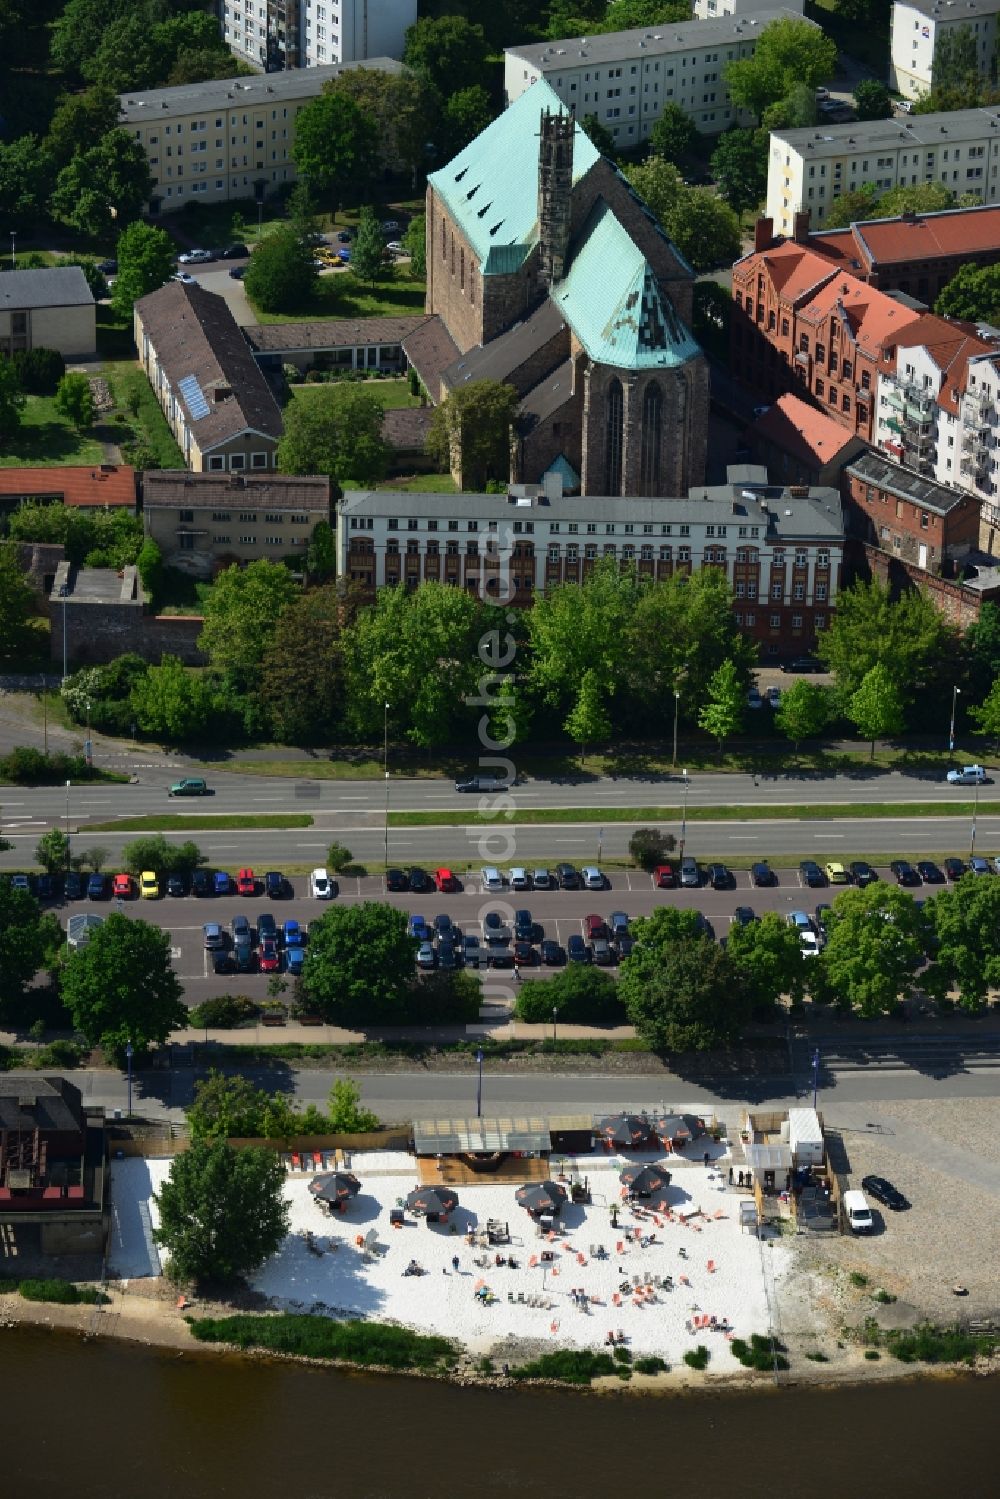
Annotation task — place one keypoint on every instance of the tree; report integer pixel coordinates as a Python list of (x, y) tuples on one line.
[(347, 1117), (94, 858), (201, 64), (920, 197), (359, 964), (598, 136), (29, 941), (972, 294), (280, 275), (965, 921), (588, 721), (704, 229), (982, 650), (788, 52), (722, 715), (159, 853), (768, 955), (81, 122), (231, 1107), (106, 185), (576, 628), (150, 565), (712, 316), (872, 100), (851, 207), (126, 57), (804, 711), (39, 370), (449, 52), (582, 994), (658, 183), (11, 401), (402, 107), (336, 431), (796, 110), (145, 262), (471, 429), (222, 1212), (674, 133), (121, 987), (691, 999), (241, 614), (17, 600), (321, 558), (368, 261), (956, 61), (876, 709), (987, 715), (25, 179), (907, 635), (75, 401), (338, 858), (415, 245), (52, 851), (306, 648), (876, 939), (466, 114), (649, 847), (171, 702), (739, 166), (336, 147)]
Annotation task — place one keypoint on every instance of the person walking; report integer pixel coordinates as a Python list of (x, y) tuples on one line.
[(455, 1263), (517, 974)]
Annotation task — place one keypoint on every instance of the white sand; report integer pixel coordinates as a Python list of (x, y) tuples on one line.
[(344, 1280)]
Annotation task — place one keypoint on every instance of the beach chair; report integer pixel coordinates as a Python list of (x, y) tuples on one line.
[(616, 1299), (520, 1298), (711, 1267), (296, 1162), (620, 1246), (581, 1259), (689, 1325), (510, 1296), (318, 1159)]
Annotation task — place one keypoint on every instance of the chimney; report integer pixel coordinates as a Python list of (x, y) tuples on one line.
[(555, 182), (763, 234), (800, 227)]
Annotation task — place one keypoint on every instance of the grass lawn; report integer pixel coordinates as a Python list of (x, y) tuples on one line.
[(394, 394), (810, 812), (423, 484), (181, 823), (182, 594), (144, 421), (341, 295), (47, 438)]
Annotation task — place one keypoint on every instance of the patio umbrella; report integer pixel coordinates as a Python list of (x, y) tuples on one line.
[(335, 1187), (680, 1127), (626, 1129), (541, 1197), (643, 1180), (432, 1200)]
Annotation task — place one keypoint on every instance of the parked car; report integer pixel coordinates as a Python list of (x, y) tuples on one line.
[(821, 920), (720, 877), (690, 875), (396, 881), (443, 924), (904, 872), (518, 879), (500, 957), (202, 883), (773, 695), (292, 934), (190, 786), (491, 879), (552, 955), (246, 882), (268, 958), (445, 880), (525, 955), (979, 865), (470, 950), (811, 874), (955, 868), (295, 959), (121, 887), (49, 887), (237, 272), (149, 885), (446, 954), (618, 925), (593, 878), (237, 251), (184, 278), (344, 255), (884, 1192), (526, 929), (196, 257), (275, 885), (862, 873), (762, 874), (344, 236), (803, 665), (664, 877), (625, 945), (321, 887), (242, 930), (568, 877), (484, 782), (594, 927), (542, 879), (221, 882), (22, 882), (929, 872), (967, 775), (267, 927), (417, 927), (215, 937), (222, 961), (177, 884), (577, 950), (702, 926), (420, 881), (808, 937), (836, 873), (97, 887), (754, 699), (107, 267), (603, 955), (73, 886), (744, 915), (391, 226)]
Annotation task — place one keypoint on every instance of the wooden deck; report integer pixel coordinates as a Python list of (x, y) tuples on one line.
[(456, 1173)]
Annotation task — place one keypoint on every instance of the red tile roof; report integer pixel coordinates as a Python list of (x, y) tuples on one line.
[(793, 269), (94, 487), (951, 345), (955, 232), (798, 428), (873, 315)]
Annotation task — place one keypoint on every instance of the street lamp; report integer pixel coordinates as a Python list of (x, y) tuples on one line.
[(128, 1058), (951, 731), (13, 249), (815, 1075), (684, 814), (88, 748), (63, 594), (479, 1086), (677, 704), (385, 767), (555, 1016)]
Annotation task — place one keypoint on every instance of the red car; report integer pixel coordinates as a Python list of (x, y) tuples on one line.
[(245, 882), (122, 889), (594, 927), (664, 876), (445, 880), (267, 957)]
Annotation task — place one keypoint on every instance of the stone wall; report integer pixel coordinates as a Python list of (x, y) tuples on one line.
[(958, 604), (39, 561)]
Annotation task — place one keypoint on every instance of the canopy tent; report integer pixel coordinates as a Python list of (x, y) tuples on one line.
[(643, 1180), (541, 1197), (335, 1187)]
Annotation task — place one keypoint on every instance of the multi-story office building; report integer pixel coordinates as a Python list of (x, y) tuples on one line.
[(811, 167), (228, 138), (780, 548), (918, 26), (276, 34), (626, 77)]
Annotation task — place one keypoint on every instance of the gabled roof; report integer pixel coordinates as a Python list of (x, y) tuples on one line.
[(875, 468), (872, 316), (491, 188), (950, 345), (807, 434), (793, 269), (212, 373), (96, 487), (612, 301), (430, 349), (50, 286)]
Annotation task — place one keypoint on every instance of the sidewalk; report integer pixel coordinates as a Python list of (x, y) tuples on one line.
[(334, 1035)]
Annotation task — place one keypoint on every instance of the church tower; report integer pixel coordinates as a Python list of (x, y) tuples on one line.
[(555, 187)]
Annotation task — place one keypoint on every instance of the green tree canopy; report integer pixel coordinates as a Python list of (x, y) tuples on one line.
[(81, 121), (581, 993), (231, 1107), (908, 636), (145, 262), (171, 702), (987, 716), (598, 136), (739, 166), (121, 987), (475, 420), (448, 51), (52, 851), (106, 184), (280, 275), (336, 147), (674, 133), (872, 100), (242, 612), (796, 110), (335, 430), (11, 400), (29, 942), (804, 711), (659, 184), (956, 59), (966, 924), (876, 708), (789, 52), (368, 260), (579, 628), (588, 719), (768, 955), (75, 401), (306, 649), (973, 294), (692, 999), (704, 229), (467, 113), (26, 177), (415, 244), (876, 939), (359, 964), (222, 1212), (17, 600), (402, 107), (722, 715), (347, 1116), (154, 851)]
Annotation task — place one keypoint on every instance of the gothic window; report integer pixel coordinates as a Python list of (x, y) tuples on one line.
[(613, 440), (652, 431)]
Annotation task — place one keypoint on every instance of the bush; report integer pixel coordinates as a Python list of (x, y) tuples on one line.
[(224, 1013), (653, 1365), (444, 996), (29, 767), (697, 1358), (63, 1291), (60, 1054), (648, 847), (761, 1353), (318, 1337), (39, 370), (927, 1344), (622, 1355), (569, 1366), (338, 858), (583, 995)]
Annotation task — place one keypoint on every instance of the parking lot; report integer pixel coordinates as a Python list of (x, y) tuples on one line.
[(559, 913)]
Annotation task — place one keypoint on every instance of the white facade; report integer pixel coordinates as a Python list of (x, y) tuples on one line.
[(954, 440), (811, 167), (710, 10), (626, 77), (315, 33), (917, 26)]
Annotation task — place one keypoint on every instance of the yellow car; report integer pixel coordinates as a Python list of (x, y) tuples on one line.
[(149, 885), (837, 874)]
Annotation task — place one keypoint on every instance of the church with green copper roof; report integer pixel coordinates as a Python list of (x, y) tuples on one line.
[(545, 270)]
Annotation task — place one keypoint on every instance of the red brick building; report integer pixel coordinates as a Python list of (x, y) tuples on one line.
[(916, 253)]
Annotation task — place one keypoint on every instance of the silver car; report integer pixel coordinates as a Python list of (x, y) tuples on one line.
[(542, 879), (690, 875), (492, 879)]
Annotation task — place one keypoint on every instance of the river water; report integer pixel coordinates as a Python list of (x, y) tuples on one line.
[(88, 1419)]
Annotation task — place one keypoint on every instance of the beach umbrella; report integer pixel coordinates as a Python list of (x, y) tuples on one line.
[(435, 1201), (541, 1197), (642, 1180), (625, 1129), (335, 1186), (680, 1128)]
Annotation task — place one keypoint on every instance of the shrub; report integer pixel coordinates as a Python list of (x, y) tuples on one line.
[(63, 1291), (652, 1365), (39, 370), (761, 1353), (583, 995), (857, 1279), (871, 1354), (648, 847), (223, 1013), (62, 1054), (886, 1298), (622, 1355), (569, 1366), (927, 1344), (697, 1358), (338, 858), (318, 1337), (817, 1358), (29, 767)]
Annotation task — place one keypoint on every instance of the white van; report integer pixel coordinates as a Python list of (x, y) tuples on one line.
[(858, 1213)]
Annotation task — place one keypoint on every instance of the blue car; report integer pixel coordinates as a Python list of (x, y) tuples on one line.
[(294, 959), (20, 882), (97, 887), (220, 882), (292, 934), (417, 927)]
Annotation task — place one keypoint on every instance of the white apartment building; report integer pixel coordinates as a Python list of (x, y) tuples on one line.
[(811, 167), (226, 139), (709, 10), (938, 414), (276, 34), (626, 77), (916, 28)]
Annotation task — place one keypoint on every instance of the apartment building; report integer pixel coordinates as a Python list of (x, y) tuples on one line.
[(781, 549), (810, 168), (227, 138), (916, 253), (217, 402), (710, 10), (203, 521), (931, 527), (917, 28), (626, 77), (279, 34)]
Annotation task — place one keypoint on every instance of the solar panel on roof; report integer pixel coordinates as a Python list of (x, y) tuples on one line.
[(194, 397)]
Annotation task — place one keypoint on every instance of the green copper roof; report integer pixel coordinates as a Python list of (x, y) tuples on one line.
[(562, 466), (611, 300), (491, 188)]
